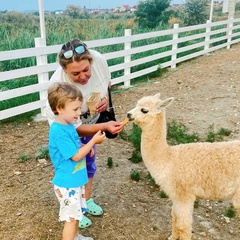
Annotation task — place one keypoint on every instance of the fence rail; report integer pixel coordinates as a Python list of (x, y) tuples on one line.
[(172, 44)]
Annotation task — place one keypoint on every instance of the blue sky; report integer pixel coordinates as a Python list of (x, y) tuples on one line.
[(22, 5)]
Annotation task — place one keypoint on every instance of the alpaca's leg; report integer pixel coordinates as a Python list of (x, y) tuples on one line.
[(175, 234), (183, 212), (236, 201)]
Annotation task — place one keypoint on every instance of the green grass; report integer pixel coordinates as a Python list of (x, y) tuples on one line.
[(110, 162), (23, 158), (178, 133), (135, 175), (136, 157), (135, 136), (196, 204), (43, 153), (218, 136), (151, 180), (230, 212), (163, 195), (123, 135)]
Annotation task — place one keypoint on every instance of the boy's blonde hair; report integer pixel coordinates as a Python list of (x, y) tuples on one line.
[(61, 93)]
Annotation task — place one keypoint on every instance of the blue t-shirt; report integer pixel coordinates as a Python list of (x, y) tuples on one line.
[(64, 143)]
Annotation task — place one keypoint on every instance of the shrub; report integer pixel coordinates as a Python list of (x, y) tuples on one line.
[(177, 133), (151, 180), (23, 158), (163, 194), (43, 152), (230, 212), (135, 175), (135, 136), (110, 162), (136, 157), (218, 136)]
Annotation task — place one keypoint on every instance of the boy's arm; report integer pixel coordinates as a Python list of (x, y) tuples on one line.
[(99, 137), (83, 151)]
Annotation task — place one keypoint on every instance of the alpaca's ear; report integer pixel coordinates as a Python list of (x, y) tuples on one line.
[(166, 102), (157, 96)]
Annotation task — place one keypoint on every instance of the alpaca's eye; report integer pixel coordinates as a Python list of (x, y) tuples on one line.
[(144, 110)]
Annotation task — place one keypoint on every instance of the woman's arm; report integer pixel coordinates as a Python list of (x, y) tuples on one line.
[(90, 129)]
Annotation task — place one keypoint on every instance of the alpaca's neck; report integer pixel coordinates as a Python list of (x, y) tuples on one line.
[(154, 134), (155, 150)]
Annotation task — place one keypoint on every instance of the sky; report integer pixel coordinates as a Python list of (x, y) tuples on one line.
[(51, 5)]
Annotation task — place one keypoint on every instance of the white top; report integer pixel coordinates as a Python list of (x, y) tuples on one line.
[(98, 82)]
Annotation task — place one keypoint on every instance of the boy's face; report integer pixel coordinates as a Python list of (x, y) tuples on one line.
[(70, 113)]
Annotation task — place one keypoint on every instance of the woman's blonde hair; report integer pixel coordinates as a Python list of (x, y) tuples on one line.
[(61, 93), (72, 45)]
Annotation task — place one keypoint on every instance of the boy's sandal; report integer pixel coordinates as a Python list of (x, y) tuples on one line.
[(85, 222), (93, 208)]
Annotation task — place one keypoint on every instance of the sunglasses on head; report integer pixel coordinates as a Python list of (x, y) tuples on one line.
[(69, 53)]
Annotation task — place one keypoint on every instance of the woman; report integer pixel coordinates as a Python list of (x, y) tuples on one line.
[(88, 71)]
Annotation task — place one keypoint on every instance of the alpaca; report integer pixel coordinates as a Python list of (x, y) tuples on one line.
[(186, 171)]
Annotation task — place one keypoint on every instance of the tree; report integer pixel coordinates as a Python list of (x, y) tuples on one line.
[(195, 12), (152, 13), (76, 12), (237, 8)]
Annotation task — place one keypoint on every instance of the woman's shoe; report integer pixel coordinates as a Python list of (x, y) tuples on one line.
[(93, 208), (85, 222)]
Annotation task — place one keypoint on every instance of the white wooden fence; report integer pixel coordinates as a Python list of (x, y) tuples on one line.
[(203, 39)]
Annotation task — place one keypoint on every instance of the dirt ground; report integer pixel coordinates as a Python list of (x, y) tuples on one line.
[(206, 92)]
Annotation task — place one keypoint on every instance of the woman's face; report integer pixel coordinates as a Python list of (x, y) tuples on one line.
[(79, 72)]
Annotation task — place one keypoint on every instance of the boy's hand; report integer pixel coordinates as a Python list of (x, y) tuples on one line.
[(99, 137), (92, 152)]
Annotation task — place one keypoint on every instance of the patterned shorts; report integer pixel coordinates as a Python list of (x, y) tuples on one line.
[(72, 203)]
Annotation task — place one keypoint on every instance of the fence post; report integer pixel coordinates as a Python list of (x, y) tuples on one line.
[(127, 59), (42, 77), (229, 33), (174, 45), (207, 37)]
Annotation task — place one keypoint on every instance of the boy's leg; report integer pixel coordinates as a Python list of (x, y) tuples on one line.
[(70, 230), (88, 188)]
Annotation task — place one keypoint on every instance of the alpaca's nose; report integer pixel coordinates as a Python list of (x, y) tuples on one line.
[(129, 116)]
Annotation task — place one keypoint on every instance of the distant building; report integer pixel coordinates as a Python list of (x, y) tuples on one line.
[(125, 8), (134, 8), (57, 12)]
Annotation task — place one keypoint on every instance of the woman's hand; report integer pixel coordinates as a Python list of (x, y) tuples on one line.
[(113, 127), (103, 105)]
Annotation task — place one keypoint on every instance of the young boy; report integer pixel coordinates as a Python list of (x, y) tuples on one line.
[(68, 157)]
